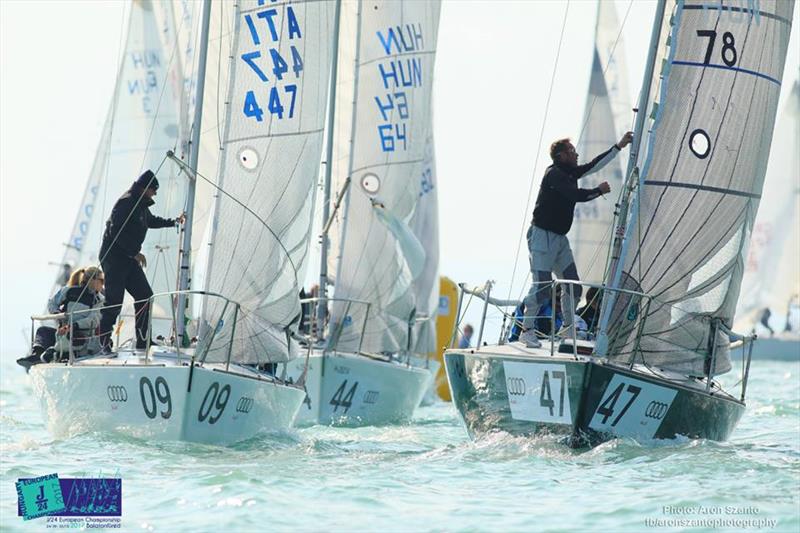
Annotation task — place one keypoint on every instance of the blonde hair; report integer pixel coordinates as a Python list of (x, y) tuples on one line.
[(75, 278), (90, 274)]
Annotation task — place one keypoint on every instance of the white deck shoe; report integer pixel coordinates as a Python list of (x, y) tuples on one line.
[(529, 339)]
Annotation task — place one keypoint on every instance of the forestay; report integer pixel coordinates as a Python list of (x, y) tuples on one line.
[(772, 270), (606, 117), (701, 183), (386, 241), (268, 170)]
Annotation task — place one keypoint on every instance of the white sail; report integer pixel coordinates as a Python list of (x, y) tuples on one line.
[(87, 228), (383, 142), (272, 143), (607, 113), (425, 225), (140, 127), (772, 271), (701, 182)]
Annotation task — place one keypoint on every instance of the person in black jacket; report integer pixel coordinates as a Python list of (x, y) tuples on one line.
[(552, 219), (122, 260)]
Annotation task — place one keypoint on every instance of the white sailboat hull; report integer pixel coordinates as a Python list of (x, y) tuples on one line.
[(166, 399), (355, 390)]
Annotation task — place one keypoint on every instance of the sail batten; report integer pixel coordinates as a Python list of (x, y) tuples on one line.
[(700, 185)]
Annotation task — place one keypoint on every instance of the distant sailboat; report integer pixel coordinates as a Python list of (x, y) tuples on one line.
[(710, 90), (142, 123), (383, 252), (224, 388), (607, 113), (772, 270)]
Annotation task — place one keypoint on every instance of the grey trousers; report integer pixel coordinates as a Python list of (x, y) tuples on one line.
[(548, 253)]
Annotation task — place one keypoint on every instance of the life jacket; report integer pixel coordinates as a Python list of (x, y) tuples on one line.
[(81, 306)]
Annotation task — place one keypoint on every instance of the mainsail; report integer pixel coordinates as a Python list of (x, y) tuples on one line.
[(772, 271), (272, 144), (606, 116), (701, 182), (384, 143)]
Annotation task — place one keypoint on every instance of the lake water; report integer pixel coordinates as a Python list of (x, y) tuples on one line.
[(427, 476)]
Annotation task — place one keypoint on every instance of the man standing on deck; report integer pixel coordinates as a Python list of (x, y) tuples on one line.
[(122, 260), (547, 237)]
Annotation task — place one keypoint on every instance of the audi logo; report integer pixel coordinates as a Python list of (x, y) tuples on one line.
[(656, 410), (371, 396), (244, 405), (117, 393), (515, 386)]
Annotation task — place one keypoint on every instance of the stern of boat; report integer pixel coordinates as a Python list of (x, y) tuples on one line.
[(516, 390)]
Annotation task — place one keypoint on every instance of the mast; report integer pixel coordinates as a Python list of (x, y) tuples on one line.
[(620, 243), (194, 154), (322, 304)]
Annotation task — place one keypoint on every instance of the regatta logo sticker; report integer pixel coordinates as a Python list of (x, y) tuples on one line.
[(632, 408), (39, 496), (538, 392), (85, 503)]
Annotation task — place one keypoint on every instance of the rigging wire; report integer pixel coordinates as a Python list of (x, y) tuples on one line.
[(538, 144), (146, 147), (583, 127), (605, 69)]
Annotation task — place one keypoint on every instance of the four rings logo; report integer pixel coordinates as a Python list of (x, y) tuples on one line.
[(656, 410), (244, 405), (117, 393), (516, 386)]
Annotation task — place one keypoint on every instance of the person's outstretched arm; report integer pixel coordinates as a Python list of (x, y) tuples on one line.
[(154, 221), (605, 158)]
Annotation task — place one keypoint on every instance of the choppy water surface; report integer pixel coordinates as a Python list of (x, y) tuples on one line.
[(426, 475)]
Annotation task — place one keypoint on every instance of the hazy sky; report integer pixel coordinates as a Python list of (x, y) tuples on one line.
[(58, 62)]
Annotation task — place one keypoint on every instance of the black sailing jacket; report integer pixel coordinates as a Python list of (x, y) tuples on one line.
[(127, 226), (559, 192)]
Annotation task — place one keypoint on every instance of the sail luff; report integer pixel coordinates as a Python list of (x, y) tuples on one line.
[(322, 307), (621, 242), (353, 120)]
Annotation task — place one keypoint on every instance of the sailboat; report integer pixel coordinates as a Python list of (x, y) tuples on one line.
[(380, 241), (226, 386), (147, 117), (606, 116), (772, 271), (706, 114)]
